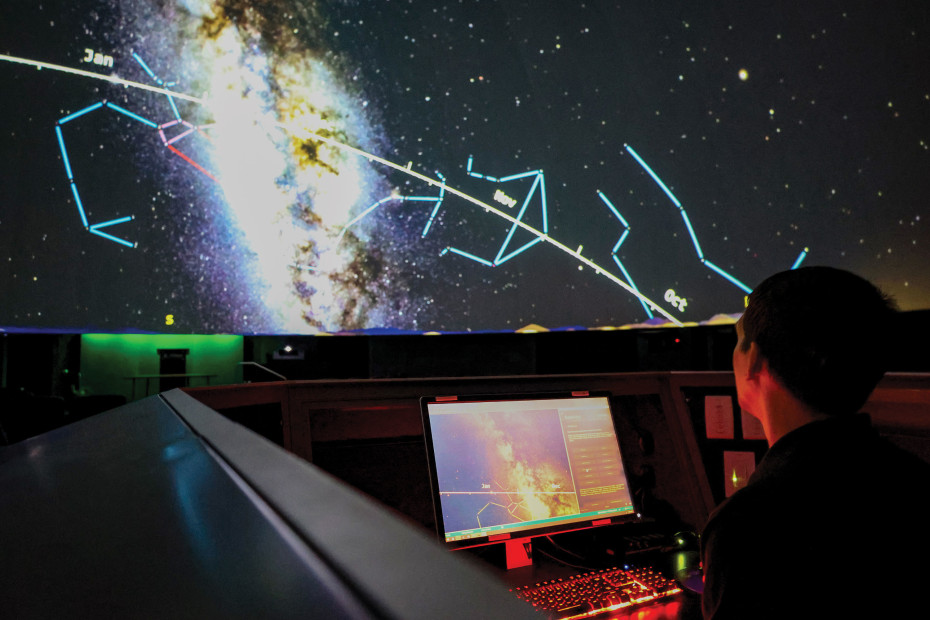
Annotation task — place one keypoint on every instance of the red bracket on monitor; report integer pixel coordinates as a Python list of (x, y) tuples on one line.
[(519, 553)]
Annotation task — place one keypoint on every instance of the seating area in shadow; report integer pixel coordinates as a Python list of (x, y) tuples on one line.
[(24, 414)]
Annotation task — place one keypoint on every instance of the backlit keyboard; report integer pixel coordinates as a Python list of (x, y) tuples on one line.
[(596, 592)]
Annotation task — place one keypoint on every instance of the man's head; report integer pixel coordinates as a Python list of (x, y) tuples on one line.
[(825, 333)]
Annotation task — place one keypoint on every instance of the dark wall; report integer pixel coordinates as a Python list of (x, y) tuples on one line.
[(491, 354), (46, 364), (49, 364)]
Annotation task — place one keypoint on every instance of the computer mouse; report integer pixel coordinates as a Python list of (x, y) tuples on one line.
[(686, 540)]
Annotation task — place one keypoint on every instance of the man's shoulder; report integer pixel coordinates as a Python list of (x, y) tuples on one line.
[(837, 448), (746, 509)]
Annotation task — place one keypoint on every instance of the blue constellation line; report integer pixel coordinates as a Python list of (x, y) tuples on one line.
[(616, 248), (575, 254), (169, 143), (541, 179), (694, 240), (291, 128), (160, 82), (361, 215), (93, 228), (374, 206), (371, 157), (432, 216), (539, 183)]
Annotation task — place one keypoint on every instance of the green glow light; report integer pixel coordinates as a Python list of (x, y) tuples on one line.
[(108, 360)]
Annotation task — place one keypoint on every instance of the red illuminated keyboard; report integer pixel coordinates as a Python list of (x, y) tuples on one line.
[(590, 594)]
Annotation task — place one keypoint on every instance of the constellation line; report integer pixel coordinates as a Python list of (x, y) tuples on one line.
[(616, 248), (684, 216), (303, 131)]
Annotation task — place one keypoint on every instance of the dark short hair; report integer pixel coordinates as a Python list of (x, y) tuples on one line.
[(826, 334)]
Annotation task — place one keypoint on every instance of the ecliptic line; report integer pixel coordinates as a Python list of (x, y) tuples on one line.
[(432, 216), (539, 183), (190, 129), (543, 236), (113, 79), (370, 157)]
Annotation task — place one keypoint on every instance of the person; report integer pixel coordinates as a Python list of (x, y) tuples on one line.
[(833, 522)]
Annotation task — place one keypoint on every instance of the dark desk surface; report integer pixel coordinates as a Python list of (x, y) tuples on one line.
[(126, 514), (148, 511)]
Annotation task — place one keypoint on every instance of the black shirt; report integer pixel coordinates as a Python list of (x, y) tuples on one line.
[(833, 523)]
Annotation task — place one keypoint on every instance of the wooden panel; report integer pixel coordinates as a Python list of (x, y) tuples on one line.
[(901, 403), (900, 410), (347, 415), (368, 430), (219, 397), (361, 420)]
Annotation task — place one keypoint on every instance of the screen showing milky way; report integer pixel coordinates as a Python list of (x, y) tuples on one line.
[(290, 166), (521, 465)]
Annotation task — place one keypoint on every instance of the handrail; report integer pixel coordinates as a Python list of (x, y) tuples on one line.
[(266, 369)]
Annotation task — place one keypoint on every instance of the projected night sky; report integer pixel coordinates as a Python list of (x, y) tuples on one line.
[(297, 167)]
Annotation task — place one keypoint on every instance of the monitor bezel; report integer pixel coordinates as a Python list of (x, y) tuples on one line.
[(535, 532)]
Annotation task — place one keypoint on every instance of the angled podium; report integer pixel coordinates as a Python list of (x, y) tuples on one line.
[(164, 508)]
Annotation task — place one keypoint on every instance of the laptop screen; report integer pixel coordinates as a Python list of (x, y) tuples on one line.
[(523, 466)]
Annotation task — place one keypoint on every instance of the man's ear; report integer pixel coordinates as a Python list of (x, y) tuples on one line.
[(754, 361)]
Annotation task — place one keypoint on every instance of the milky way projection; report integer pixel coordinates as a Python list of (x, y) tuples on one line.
[(303, 167)]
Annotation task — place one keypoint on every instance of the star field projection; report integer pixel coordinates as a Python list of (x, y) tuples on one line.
[(453, 166), (536, 192), (187, 129), (776, 130)]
